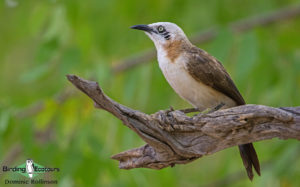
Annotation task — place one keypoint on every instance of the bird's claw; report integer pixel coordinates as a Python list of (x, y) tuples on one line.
[(163, 117)]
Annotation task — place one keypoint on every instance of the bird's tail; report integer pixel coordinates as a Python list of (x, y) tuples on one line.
[(250, 159)]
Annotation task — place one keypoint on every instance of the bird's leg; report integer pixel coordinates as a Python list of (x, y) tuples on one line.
[(167, 119), (162, 117), (218, 107), (211, 110), (190, 110)]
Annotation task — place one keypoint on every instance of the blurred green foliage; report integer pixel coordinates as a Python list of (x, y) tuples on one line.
[(42, 41)]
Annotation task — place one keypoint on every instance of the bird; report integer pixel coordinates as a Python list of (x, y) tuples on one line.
[(30, 167), (197, 77)]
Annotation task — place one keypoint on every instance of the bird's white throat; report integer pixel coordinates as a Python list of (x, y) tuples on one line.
[(191, 90)]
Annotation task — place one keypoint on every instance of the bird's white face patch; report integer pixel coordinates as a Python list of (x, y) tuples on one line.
[(165, 32)]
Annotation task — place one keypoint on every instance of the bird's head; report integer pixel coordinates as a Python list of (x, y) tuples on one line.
[(162, 33)]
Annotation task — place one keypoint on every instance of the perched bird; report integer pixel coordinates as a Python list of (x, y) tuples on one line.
[(196, 76), (29, 167)]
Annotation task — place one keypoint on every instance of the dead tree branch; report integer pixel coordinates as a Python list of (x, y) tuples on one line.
[(209, 34), (174, 138)]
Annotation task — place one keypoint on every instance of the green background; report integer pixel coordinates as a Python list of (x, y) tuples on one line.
[(43, 117)]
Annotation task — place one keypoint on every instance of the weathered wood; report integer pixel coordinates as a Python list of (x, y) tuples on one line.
[(172, 137)]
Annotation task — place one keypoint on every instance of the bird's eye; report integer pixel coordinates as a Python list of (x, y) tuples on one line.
[(160, 29)]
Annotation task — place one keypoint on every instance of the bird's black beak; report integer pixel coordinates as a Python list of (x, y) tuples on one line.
[(142, 27)]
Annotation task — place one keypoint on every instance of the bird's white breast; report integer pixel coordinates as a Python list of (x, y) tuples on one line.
[(195, 92)]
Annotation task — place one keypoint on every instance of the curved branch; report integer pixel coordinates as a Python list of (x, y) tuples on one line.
[(174, 138)]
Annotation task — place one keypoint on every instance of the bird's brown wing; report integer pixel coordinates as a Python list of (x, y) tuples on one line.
[(207, 69)]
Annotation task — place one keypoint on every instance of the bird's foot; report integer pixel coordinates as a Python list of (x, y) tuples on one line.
[(211, 110), (168, 121), (164, 120), (218, 107), (190, 110)]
